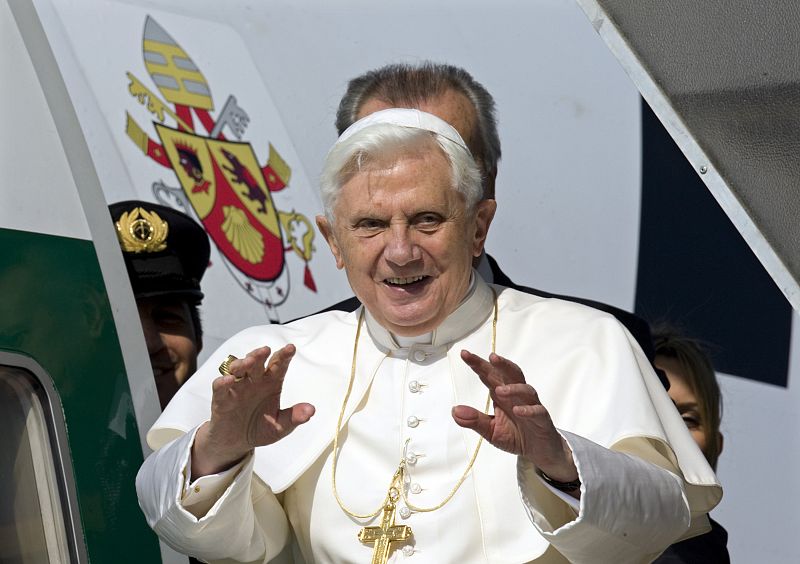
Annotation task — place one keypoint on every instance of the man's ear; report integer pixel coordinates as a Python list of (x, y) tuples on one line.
[(484, 214), (326, 229), (721, 442)]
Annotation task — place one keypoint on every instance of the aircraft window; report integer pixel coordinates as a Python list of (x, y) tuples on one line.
[(32, 526)]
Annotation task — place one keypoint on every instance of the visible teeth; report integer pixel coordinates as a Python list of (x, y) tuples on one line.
[(404, 280)]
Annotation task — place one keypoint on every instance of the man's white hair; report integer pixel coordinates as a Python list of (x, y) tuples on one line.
[(382, 138)]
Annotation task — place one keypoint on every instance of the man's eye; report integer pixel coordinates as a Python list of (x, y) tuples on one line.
[(428, 220), (167, 317), (369, 224)]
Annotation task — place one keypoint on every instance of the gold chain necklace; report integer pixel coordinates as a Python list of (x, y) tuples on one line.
[(384, 535)]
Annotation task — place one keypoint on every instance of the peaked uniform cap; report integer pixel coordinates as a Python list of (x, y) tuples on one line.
[(166, 252)]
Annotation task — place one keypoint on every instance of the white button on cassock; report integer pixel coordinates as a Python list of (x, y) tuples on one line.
[(415, 488), (405, 512), (408, 550), (419, 356), (411, 458), (412, 421), (413, 386)]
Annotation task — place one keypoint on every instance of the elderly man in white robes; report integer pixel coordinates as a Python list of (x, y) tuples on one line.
[(447, 420)]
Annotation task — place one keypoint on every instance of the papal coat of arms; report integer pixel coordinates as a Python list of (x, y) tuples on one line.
[(221, 180)]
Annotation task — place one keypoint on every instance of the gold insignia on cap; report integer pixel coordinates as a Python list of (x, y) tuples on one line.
[(141, 231)]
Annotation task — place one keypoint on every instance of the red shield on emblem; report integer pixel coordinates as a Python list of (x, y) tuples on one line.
[(228, 192)]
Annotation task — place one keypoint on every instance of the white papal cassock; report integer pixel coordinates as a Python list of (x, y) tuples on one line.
[(643, 478)]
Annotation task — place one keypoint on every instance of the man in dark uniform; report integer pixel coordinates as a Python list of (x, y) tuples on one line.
[(166, 254), (451, 94)]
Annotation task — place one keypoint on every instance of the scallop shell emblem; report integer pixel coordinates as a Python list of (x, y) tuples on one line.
[(241, 235)]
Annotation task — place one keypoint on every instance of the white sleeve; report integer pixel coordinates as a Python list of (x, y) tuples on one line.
[(246, 523), (630, 510)]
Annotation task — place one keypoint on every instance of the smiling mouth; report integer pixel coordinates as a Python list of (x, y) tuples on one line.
[(404, 281)]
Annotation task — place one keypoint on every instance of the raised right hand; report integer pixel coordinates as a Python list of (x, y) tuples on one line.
[(246, 413)]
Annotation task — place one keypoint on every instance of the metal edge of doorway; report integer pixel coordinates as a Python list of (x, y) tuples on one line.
[(699, 159)]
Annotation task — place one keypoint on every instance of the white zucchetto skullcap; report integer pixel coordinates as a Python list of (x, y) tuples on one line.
[(405, 117)]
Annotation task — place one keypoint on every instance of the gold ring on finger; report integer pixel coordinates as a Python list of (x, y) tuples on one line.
[(225, 368)]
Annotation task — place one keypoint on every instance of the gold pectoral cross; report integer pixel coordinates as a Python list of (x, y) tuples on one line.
[(384, 535)]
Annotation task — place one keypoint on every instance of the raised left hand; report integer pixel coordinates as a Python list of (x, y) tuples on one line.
[(520, 425)]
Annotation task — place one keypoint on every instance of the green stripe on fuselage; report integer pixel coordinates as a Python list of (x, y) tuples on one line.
[(54, 309)]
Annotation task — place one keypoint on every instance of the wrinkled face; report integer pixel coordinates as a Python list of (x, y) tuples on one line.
[(685, 400), (406, 241), (171, 343)]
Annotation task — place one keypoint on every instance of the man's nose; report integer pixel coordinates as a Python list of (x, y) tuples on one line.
[(152, 336), (401, 248)]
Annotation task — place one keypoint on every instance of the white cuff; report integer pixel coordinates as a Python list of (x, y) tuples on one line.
[(206, 490), (573, 502)]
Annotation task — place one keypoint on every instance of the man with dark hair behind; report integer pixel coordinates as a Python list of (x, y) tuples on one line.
[(453, 95), (166, 254)]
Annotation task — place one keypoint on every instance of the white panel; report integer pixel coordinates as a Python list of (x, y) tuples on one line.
[(37, 192), (758, 465)]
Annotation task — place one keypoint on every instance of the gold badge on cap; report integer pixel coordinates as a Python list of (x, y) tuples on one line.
[(141, 231)]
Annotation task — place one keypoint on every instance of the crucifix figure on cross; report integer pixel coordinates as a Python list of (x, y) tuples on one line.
[(387, 532)]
